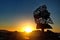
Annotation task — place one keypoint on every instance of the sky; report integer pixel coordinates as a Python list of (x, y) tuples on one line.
[(14, 13)]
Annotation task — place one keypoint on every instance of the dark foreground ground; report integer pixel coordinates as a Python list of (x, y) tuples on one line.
[(35, 35)]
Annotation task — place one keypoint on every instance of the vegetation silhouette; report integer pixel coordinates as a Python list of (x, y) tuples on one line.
[(42, 18)]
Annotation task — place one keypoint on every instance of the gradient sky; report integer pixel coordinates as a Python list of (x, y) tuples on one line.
[(13, 12)]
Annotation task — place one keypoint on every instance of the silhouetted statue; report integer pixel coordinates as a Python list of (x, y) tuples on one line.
[(42, 18)]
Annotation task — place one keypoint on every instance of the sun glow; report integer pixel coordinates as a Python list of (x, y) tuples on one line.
[(28, 29), (26, 26)]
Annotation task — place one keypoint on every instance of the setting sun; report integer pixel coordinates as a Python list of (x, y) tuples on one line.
[(26, 26), (28, 29)]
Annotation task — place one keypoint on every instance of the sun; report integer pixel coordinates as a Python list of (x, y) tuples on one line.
[(28, 29)]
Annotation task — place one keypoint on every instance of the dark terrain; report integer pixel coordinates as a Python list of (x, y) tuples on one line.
[(35, 35)]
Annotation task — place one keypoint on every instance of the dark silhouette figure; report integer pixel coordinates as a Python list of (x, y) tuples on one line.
[(42, 18)]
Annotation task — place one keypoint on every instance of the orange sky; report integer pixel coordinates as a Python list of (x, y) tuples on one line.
[(20, 26)]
